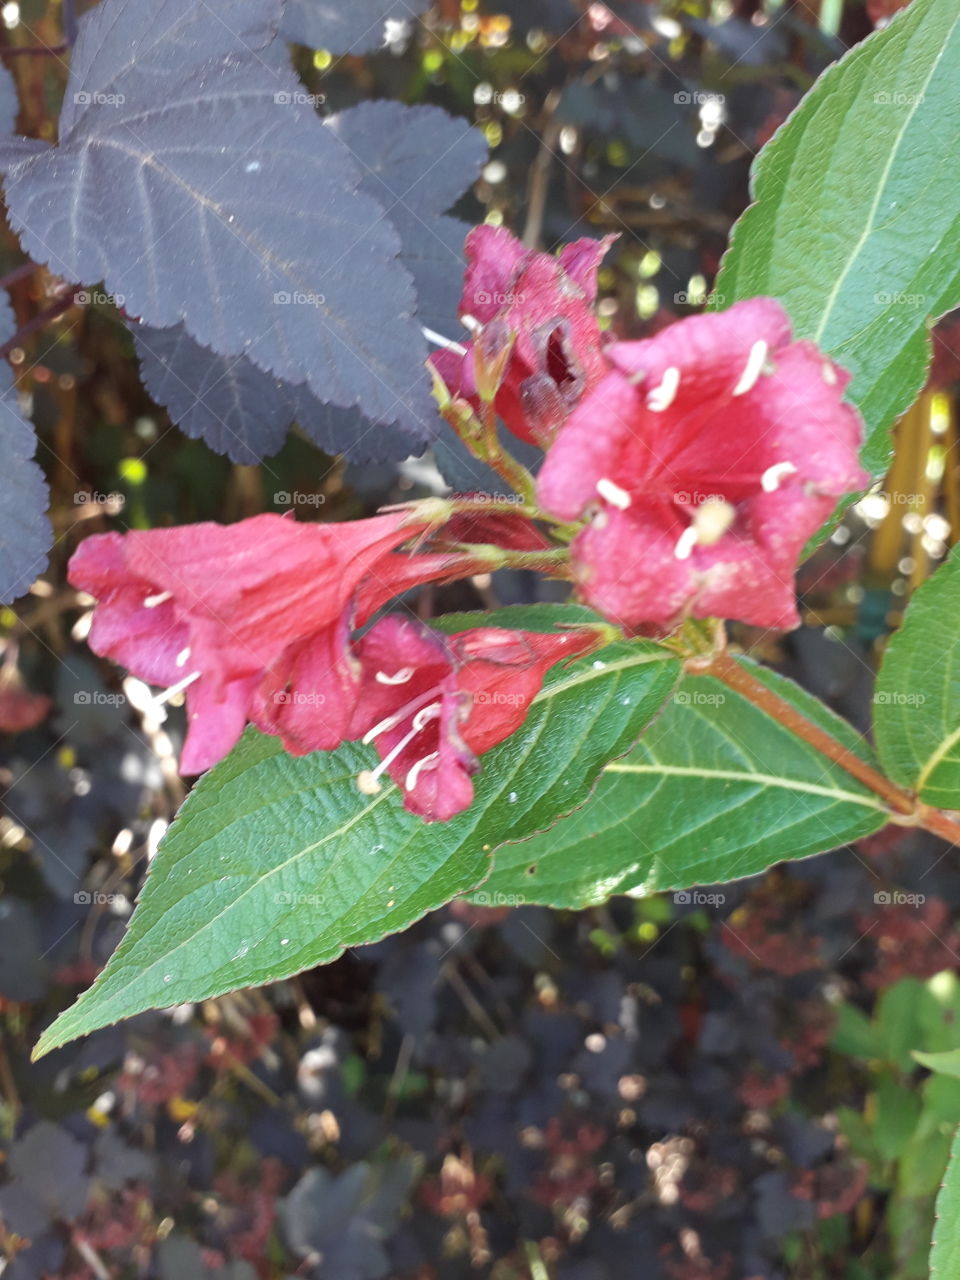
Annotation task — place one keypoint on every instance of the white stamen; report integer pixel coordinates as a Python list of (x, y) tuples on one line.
[(829, 373), (391, 722), (685, 543), (182, 656), (151, 602), (663, 396), (471, 323), (770, 480), (394, 751), (439, 340), (712, 519), (367, 784), (410, 781), (425, 715), (753, 369), (399, 677), (613, 494), (174, 689)]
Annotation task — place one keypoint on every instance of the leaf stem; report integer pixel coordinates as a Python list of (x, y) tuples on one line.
[(905, 807)]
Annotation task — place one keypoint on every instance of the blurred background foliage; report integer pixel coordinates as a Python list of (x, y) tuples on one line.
[(659, 1088)]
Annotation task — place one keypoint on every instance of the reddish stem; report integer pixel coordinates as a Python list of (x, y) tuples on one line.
[(904, 805)]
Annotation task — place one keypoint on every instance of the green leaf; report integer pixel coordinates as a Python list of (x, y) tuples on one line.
[(946, 1063), (917, 698), (945, 1255), (897, 1112), (897, 1016), (856, 225), (275, 863), (855, 1034), (716, 789)]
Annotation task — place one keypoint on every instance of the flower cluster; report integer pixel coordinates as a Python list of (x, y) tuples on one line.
[(700, 461), (258, 622), (683, 476)]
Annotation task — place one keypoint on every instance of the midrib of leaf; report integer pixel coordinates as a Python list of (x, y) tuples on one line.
[(950, 741), (881, 187), (763, 779), (559, 686)]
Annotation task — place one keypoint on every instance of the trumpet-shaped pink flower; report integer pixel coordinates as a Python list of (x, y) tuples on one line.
[(214, 609), (707, 457), (533, 314), (433, 704)]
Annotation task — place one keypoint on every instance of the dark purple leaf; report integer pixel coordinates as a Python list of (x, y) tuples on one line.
[(160, 147)]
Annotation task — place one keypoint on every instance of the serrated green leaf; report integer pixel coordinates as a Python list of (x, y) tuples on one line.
[(275, 864), (917, 698), (715, 790), (945, 1254), (856, 225)]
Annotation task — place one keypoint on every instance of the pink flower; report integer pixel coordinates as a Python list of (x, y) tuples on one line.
[(213, 609), (433, 704), (708, 456), (535, 317)]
